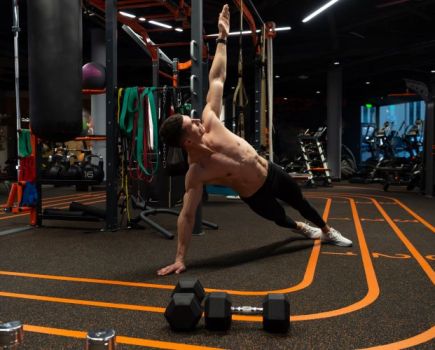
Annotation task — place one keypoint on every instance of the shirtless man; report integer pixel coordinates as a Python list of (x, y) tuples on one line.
[(217, 156)]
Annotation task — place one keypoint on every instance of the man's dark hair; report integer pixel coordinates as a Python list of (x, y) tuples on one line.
[(172, 131)]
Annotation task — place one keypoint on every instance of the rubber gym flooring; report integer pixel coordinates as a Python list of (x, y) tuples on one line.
[(68, 277)]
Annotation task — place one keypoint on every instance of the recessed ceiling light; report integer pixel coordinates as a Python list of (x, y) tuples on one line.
[(303, 77), (179, 29), (285, 98), (277, 76), (368, 83), (233, 87), (336, 63), (126, 14), (318, 92), (432, 71), (142, 19)]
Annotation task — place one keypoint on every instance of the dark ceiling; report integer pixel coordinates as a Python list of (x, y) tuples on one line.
[(376, 41)]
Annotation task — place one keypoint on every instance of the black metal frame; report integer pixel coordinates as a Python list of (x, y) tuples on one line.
[(111, 129)]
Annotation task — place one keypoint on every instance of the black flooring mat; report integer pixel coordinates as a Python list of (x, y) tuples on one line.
[(65, 278)]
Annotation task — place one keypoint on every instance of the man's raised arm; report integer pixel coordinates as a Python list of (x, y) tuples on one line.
[(218, 71)]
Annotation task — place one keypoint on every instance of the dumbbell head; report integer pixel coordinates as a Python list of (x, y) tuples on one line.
[(190, 285), (276, 313), (183, 312), (11, 334), (101, 340), (217, 311)]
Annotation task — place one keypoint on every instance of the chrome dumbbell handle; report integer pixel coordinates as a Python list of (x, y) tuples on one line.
[(246, 310), (11, 335), (101, 340)]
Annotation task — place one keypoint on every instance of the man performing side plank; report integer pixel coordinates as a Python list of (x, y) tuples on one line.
[(217, 156)]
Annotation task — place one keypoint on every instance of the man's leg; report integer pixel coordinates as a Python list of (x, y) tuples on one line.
[(265, 205), (287, 189)]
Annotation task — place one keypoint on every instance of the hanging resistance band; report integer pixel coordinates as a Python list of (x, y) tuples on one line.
[(123, 194), (24, 143), (148, 146), (138, 122), (240, 98)]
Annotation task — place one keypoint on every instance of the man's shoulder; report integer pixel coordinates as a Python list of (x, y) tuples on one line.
[(195, 173), (211, 120)]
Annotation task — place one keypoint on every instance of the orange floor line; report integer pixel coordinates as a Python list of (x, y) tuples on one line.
[(410, 211), (13, 216), (79, 198), (71, 195), (88, 280), (119, 339), (415, 253), (372, 282), (415, 215), (371, 296), (407, 343), (81, 302), (306, 281)]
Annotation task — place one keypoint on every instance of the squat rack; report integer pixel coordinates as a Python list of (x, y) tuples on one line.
[(198, 72)]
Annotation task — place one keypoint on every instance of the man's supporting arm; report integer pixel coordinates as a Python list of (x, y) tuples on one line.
[(185, 223), (186, 220)]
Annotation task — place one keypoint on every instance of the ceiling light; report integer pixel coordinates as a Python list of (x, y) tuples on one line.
[(336, 63), (178, 29), (285, 98), (280, 29), (432, 71), (319, 10), (277, 76), (126, 14), (318, 92), (245, 32), (142, 19), (235, 33), (160, 24), (367, 83)]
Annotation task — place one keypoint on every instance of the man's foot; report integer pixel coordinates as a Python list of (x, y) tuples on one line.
[(336, 238), (309, 231)]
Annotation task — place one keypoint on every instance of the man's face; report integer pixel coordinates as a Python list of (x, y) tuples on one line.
[(193, 128)]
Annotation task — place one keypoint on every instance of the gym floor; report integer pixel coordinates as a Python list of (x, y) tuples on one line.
[(69, 277)]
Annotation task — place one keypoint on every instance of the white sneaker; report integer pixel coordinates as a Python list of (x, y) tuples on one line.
[(336, 238), (309, 231)]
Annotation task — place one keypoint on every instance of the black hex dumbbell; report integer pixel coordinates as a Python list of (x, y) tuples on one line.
[(275, 311), (184, 310)]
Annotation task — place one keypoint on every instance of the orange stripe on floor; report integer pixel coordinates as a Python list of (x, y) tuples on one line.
[(415, 253), (119, 339), (306, 281), (407, 343), (415, 215), (88, 280), (131, 307), (372, 281), (13, 216)]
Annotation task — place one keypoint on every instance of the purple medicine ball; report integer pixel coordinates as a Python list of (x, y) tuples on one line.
[(94, 76)]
